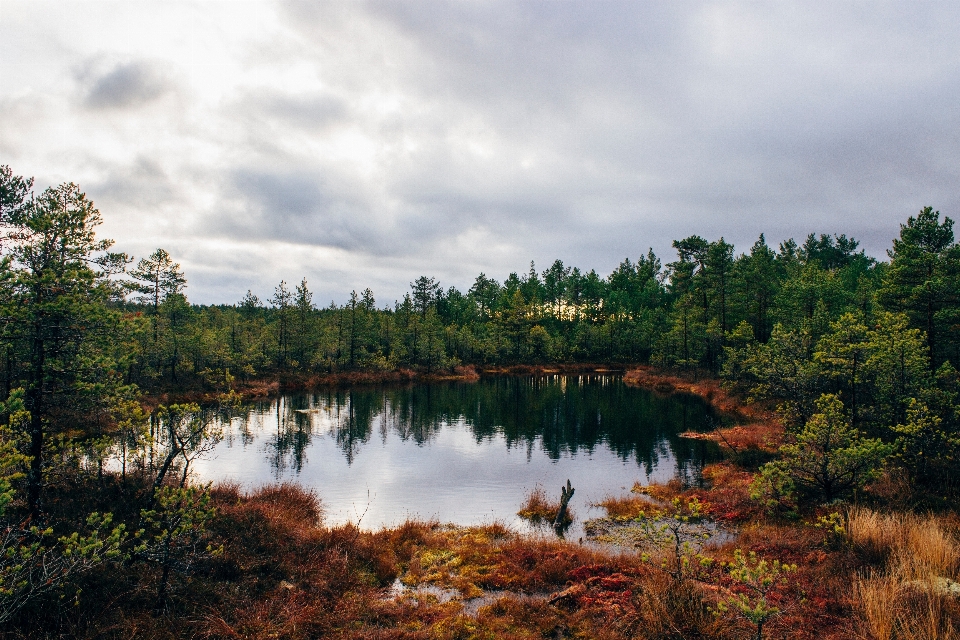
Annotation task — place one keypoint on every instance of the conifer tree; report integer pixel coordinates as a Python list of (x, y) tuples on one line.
[(922, 280)]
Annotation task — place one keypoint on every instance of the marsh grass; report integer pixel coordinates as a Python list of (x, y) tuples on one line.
[(915, 559), (874, 594), (539, 509), (666, 608), (624, 507)]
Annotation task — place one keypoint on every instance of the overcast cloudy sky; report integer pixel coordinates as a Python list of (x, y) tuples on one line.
[(365, 144)]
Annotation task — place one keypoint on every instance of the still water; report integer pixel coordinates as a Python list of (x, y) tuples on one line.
[(466, 453)]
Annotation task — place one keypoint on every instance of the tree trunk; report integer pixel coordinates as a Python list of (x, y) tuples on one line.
[(34, 398), (559, 522)]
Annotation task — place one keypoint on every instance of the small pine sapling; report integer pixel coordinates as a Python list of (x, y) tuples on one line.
[(775, 490), (754, 578), (174, 533), (678, 531), (835, 525), (32, 560)]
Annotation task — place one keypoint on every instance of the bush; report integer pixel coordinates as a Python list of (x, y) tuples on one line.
[(830, 457)]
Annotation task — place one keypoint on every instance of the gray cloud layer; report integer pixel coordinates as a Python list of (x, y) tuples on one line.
[(364, 144), (126, 85)]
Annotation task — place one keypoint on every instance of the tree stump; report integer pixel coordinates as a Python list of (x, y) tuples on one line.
[(565, 494)]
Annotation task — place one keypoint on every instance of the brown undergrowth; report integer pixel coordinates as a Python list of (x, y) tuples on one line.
[(816, 601), (284, 574), (860, 573), (759, 429)]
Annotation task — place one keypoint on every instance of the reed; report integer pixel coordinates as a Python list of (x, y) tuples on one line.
[(875, 594), (915, 557)]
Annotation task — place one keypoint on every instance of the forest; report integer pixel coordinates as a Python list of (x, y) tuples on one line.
[(849, 361)]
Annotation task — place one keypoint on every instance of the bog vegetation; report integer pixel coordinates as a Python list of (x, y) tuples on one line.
[(844, 507)]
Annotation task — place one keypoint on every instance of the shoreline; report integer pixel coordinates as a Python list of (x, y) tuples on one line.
[(432, 576), (757, 426), (269, 386)]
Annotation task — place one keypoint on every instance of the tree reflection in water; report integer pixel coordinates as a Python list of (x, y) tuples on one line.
[(562, 415)]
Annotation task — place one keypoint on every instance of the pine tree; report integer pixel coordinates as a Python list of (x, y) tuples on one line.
[(922, 280)]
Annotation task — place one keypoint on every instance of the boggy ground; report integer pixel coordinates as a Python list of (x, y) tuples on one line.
[(283, 574), (861, 574)]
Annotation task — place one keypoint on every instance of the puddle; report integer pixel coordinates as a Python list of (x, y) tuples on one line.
[(441, 595), (629, 534), (471, 606)]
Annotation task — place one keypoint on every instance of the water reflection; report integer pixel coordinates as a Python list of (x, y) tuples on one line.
[(454, 450), (561, 415)]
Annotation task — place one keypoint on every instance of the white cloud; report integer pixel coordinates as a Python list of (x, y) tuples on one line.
[(363, 144)]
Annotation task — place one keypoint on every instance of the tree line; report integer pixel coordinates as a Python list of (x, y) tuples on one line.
[(686, 314), (855, 351)]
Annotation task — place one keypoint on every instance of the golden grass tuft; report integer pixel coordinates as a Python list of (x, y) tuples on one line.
[(916, 545), (539, 509), (915, 556), (928, 619), (625, 507), (874, 595), (875, 534), (930, 551)]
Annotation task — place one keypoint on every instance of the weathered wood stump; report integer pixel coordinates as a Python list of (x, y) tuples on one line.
[(565, 494)]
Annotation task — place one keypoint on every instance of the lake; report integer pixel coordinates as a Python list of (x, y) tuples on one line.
[(464, 452)]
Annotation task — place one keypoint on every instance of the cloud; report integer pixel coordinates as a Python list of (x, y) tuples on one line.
[(144, 184), (126, 85), (310, 112), (366, 143), (298, 207)]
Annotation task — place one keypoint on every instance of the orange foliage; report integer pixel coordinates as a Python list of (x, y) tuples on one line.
[(728, 497), (624, 506), (540, 509), (761, 429)]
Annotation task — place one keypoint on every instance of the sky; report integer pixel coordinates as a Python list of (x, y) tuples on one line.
[(363, 144)]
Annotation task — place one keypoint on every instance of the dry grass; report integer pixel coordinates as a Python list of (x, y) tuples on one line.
[(666, 608), (917, 546), (929, 618), (539, 509), (914, 556), (891, 607), (874, 534), (624, 507), (874, 593)]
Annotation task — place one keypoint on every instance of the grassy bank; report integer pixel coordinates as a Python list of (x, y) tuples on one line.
[(283, 574), (871, 568)]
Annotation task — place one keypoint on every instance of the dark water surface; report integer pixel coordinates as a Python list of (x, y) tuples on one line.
[(466, 453)]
